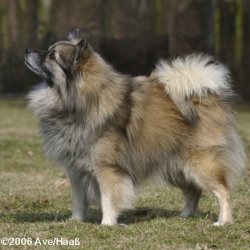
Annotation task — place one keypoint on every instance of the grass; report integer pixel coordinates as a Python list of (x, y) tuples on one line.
[(35, 200)]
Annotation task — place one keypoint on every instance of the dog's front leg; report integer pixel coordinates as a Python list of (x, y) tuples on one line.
[(79, 199), (117, 192)]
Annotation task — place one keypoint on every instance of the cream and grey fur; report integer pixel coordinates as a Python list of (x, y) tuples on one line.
[(112, 132)]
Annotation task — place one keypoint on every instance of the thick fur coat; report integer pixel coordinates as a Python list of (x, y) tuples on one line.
[(112, 132)]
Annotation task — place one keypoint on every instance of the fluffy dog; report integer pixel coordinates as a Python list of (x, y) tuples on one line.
[(112, 132)]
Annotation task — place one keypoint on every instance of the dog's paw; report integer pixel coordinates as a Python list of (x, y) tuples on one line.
[(218, 224), (188, 213), (223, 223)]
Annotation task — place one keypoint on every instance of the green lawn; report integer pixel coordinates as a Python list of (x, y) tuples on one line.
[(35, 201)]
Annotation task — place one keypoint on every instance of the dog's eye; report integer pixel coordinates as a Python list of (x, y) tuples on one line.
[(52, 55)]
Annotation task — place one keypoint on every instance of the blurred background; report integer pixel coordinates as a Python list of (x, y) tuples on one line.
[(132, 35)]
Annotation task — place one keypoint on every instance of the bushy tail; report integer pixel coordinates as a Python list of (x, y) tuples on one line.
[(195, 75)]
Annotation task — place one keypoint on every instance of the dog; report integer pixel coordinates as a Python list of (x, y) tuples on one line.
[(111, 132)]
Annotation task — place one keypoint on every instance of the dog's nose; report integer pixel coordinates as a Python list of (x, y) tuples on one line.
[(29, 50)]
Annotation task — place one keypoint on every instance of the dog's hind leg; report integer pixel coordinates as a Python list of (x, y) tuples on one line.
[(210, 172), (192, 195), (117, 193), (218, 183)]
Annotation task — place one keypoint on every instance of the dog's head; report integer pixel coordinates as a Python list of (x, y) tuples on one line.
[(76, 79), (60, 62)]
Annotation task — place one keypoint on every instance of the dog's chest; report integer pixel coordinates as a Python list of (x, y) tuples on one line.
[(67, 141)]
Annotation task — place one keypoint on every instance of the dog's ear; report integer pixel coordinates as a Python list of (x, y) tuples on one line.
[(81, 52), (74, 35)]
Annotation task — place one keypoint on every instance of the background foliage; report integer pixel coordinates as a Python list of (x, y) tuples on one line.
[(130, 34)]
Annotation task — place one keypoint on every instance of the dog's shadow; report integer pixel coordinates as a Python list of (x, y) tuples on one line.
[(129, 217), (146, 214), (33, 217)]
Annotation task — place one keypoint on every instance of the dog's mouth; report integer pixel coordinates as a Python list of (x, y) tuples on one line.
[(26, 61), (31, 61), (38, 68), (32, 66)]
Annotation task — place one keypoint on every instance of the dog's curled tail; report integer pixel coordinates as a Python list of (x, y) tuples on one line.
[(195, 75)]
